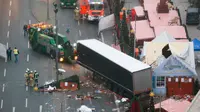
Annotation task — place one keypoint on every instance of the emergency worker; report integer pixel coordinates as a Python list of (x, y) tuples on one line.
[(26, 75), (31, 77), (16, 53), (36, 75), (77, 14)]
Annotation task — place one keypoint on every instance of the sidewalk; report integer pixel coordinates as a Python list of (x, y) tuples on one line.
[(39, 10)]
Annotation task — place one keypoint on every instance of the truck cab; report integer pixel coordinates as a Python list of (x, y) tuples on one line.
[(68, 3), (192, 16), (95, 10)]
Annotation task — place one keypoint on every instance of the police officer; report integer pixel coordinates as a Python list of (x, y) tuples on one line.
[(36, 75), (16, 53)]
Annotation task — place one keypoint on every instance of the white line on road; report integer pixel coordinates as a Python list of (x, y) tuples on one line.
[(26, 103), (8, 34), (13, 110), (9, 12), (3, 89), (79, 32), (8, 22), (5, 59), (40, 108), (1, 104), (27, 57), (10, 3), (78, 22), (29, 21), (4, 73), (28, 44), (7, 45), (26, 88), (102, 38)]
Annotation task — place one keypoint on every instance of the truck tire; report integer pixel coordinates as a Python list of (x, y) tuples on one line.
[(52, 54)]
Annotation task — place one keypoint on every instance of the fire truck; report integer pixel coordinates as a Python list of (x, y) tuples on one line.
[(91, 9)]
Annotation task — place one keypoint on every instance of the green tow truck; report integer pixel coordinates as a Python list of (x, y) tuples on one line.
[(68, 3), (43, 39)]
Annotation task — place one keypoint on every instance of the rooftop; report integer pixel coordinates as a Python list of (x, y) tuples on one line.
[(127, 62), (178, 32), (162, 19), (142, 26)]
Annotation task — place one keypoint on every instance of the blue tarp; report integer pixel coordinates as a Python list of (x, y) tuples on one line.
[(196, 43)]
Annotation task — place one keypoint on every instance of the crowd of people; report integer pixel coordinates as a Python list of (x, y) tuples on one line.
[(31, 78)]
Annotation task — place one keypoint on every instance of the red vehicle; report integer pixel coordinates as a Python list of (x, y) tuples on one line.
[(91, 9)]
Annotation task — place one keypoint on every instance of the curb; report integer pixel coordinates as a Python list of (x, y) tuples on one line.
[(31, 11)]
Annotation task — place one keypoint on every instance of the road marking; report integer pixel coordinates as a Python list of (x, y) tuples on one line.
[(26, 103), (26, 88), (79, 32), (40, 108), (3, 89), (29, 21), (28, 44), (8, 22), (4, 73), (5, 59), (90, 98), (10, 3), (27, 57), (1, 104), (8, 34), (7, 45), (13, 109), (102, 38), (9, 12), (78, 22)]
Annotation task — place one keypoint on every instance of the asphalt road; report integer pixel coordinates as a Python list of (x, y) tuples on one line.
[(14, 96)]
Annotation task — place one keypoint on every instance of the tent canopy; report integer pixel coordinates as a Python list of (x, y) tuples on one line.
[(3, 51), (106, 23), (196, 43), (164, 37), (171, 65)]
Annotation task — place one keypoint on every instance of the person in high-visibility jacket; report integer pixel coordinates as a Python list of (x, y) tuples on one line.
[(31, 76), (16, 53), (26, 75), (77, 14), (36, 75)]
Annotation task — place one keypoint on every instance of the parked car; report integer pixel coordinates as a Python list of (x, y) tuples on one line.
[(192, 16)]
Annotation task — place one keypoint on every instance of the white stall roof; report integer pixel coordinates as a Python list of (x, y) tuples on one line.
[(121, 59)]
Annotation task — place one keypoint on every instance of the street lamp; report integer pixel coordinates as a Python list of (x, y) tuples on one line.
[(56, 24), (48, 10)]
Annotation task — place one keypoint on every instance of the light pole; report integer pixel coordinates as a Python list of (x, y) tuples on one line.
[(48, 10), (56, 24)]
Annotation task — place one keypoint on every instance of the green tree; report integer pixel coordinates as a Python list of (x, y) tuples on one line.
[(151, 105), (131, 44), (196, 87), (124, 28)]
